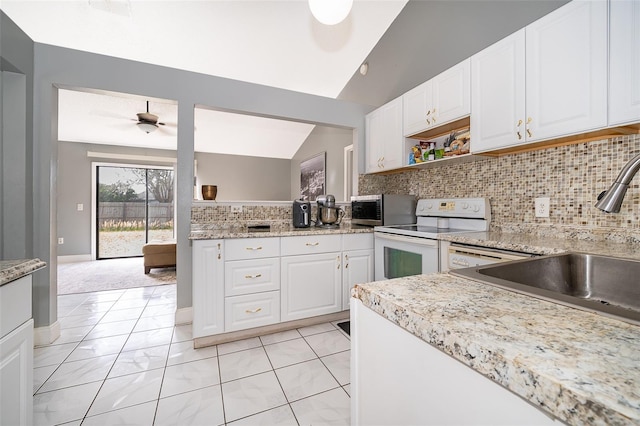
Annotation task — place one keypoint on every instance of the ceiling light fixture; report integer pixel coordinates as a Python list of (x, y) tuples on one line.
[(364, 68), (147, 127), (330, 12)]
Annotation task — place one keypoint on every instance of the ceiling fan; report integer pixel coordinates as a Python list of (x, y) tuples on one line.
[(148, 122)]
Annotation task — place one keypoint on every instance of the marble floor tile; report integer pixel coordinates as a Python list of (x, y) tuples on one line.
[(123, 303), (71, 299), (115, 315), (182, 333), (305, 379), (315, 329), (347, 389), (141, 414), (98, 347), (64, 405), (79, 372), (140, 360), (199, 407), (289, 352), (182, 352), (138, 293), (73, 335), (328, 343), (92, 308), (239, 345), (73, 321), (156, 310), (126, 391), (109, 329), (279, 337), (105, 296), (52, 355), (190, 376), (146, 323), (339, 365), (281, 416), (252, 395), (242, 364), (40, 375), (147, 339), (328, 408)]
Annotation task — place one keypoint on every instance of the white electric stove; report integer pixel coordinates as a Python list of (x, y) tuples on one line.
[(403, 250)]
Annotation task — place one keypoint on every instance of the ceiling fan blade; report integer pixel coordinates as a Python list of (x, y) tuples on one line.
[(166, 131)]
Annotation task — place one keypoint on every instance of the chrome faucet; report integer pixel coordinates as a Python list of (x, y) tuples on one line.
[(611, 200)]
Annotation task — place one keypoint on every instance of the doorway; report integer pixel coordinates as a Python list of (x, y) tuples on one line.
[(134, 205)]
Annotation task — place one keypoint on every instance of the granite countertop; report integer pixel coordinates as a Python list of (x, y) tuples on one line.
[(203, 232), (11, 270), (527, 243)]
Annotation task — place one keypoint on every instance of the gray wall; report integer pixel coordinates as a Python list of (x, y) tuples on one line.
[(331, 140), (244, 177), (70, 68), (429, 37)]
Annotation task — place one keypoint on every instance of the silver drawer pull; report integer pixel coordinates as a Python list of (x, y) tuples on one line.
[(253, 311), (254, 248), (253, 276), (459, 262), (312, 244)]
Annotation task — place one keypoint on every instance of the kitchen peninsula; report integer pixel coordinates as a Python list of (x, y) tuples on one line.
[(538, 362)]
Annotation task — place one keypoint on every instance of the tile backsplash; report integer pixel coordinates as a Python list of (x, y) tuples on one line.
[(571, 176)]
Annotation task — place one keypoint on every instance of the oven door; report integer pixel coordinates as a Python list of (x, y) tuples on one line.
[(400, 256)]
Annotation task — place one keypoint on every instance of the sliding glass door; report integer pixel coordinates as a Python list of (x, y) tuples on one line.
[(134, 206)]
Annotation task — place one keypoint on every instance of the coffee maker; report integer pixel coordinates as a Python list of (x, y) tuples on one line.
[(329, 216)]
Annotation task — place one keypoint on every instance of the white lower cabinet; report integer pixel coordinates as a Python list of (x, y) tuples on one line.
[(208, 287), (358, 263), (16, 353), (428, 387), (251, 310), (311, 285)]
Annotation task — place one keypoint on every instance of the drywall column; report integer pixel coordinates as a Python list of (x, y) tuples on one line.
[(184, 199)]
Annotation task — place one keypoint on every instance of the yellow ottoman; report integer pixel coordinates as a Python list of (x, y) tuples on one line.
[(159, 254)]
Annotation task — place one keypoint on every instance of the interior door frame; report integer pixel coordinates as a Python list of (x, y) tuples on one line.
[(94, 196)]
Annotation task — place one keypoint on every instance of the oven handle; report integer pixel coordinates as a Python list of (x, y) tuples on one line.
[(406, 239)]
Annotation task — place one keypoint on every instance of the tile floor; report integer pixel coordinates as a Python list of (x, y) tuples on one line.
[(120, 360)]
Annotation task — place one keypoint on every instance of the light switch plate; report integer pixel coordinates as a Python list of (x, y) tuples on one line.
[(80, 207), (542, 206)]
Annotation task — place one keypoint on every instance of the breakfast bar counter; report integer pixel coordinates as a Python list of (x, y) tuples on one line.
[(11, 270), (579, 367)]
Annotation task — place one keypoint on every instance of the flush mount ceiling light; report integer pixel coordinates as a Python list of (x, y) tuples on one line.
[(330, 12)]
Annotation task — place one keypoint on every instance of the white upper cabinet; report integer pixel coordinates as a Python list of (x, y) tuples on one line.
[(442, 99), (497, 103), (624, 62), (566, 72), (384, 141), (546, 81)]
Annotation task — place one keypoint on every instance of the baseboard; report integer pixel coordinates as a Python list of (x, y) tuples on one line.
[(74, 258), (46, 335), (184, 316)]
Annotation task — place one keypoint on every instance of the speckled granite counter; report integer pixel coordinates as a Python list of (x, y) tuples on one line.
[(11, 270), (207, 232), (533, 244), (579, 366)]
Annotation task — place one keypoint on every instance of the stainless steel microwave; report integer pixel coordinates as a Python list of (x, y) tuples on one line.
[(383, 209)]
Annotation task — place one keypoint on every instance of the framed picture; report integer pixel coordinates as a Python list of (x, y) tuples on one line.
[(312, 177)]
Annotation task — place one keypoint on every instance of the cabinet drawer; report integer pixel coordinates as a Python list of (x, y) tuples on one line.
[(251, 310), (310, 244), (357, 241), (251, 276), (252, 248)]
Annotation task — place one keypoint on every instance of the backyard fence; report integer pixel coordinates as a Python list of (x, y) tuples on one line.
[(122, 215)]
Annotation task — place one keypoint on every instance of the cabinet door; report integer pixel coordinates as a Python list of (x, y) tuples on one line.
[(208, 287), (624, 62), (358, 269), (16, 376), (566, 75), (497, 94), (416, 104), (311, 285), (374, 141), (451, 94), (384, 139)]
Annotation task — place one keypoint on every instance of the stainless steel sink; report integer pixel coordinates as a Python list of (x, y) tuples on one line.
[(603, 284)]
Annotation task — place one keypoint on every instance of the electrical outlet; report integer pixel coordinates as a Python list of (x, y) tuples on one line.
[(542, 207), (60, 240), (236, 209)]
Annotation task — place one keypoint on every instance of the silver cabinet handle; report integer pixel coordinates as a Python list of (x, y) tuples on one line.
[(312, 244), (254, 248), (253, 276), (253, 311)]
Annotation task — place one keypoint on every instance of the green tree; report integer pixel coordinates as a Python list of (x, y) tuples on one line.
[(159, 183), (116, 192)]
